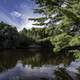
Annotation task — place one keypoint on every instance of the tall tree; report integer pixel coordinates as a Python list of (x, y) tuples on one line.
[(65, 12), (64, 17)]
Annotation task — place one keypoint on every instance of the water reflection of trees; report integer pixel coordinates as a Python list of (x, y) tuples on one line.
[(61, 74), (9, 57)]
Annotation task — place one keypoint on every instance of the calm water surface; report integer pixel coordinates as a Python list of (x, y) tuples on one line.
[(22, 64)]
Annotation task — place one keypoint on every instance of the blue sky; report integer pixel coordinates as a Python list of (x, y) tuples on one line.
[(17, 12)]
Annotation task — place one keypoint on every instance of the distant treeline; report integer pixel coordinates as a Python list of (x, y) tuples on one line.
[(11, 38), (45, 37), (61, 33)]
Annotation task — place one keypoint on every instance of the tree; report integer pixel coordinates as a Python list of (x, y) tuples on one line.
[(54, 11), (11, 38), (62, 21), (60, 41)]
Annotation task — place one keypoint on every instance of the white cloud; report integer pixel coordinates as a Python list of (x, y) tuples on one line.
[(4, 17), (25, 23), (28, 25), (22, 15), (16, 14)]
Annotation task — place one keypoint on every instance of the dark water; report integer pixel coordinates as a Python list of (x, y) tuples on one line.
[(22, 64), (9, 58)]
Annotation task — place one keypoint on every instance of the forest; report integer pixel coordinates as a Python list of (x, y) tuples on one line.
[(61, 32)]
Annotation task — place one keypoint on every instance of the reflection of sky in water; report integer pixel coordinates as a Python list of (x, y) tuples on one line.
[(27, 72), (74, 66)]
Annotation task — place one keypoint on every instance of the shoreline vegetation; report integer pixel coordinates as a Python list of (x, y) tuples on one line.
[(36, 38), (58, 42), (59, 39)]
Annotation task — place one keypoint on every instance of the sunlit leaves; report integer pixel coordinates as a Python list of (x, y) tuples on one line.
[(75, 41), (60, 41)]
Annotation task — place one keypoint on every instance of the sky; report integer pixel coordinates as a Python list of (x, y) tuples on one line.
[(17, 12)]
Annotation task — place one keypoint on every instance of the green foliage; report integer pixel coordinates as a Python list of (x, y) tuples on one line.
[(8, 36), (62, 21), (60, 41), (75, 41), (11, 38), (76, 54), (66, 11)]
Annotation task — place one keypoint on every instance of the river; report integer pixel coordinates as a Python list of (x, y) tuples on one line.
[(22, 64)]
